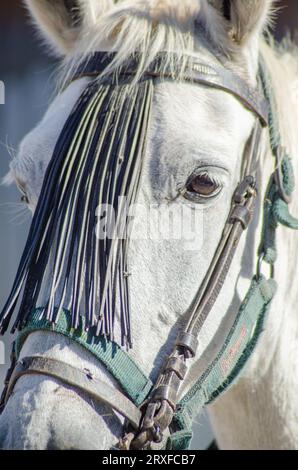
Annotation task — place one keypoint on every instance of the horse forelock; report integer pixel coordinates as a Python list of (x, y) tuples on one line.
[(146, 28)]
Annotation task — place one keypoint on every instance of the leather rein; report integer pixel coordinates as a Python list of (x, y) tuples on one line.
[(153, 420)]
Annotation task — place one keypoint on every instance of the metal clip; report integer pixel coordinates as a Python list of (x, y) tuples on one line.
[(189, 342), (246, 188), (243, 202), (149, 422), (149, 431), (241, 214), (125, 442)]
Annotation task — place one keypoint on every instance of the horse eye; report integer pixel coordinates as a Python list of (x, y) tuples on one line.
[(203, 185)]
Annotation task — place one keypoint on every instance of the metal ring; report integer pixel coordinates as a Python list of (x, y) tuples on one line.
[(157, 435), (259, 267)]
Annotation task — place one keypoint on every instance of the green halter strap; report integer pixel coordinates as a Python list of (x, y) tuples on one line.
[(281, 184)]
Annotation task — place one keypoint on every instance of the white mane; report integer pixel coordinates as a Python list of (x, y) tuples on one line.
[(142, 27), (148, 27)]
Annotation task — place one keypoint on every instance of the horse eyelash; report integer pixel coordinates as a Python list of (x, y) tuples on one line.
[(181, 189), (214, 179)]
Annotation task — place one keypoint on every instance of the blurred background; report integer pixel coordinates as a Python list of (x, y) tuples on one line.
[(26, 70)]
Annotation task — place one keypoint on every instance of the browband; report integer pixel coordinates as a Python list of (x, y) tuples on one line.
[(196, 72)]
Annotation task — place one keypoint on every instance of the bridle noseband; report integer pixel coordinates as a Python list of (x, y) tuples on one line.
[(155, 417)]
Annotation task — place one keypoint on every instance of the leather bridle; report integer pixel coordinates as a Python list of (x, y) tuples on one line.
[(153, 419)]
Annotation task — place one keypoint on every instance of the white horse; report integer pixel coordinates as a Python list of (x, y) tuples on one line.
[(193, 128)]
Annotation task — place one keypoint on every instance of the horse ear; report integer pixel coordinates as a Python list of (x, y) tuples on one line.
[(245, 18), (62, 21)]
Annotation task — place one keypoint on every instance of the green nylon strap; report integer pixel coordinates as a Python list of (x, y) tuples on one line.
[(122, 367), (280, 209), (231, 359), (180, 440), (276, 210)]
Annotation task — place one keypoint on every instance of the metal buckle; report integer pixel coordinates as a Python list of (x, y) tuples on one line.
[(158, 411), (243, 202), (246, 188), (278, 175), (149, 432), (189, 342)]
